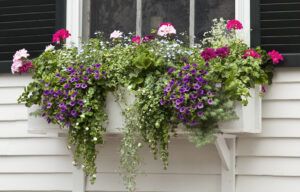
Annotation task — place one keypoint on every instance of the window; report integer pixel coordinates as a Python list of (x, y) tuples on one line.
[(276, 25), (191, 16), (27, 24)]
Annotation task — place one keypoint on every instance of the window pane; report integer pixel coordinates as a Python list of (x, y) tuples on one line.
[(110, 15), (157, 11), (207, 10)]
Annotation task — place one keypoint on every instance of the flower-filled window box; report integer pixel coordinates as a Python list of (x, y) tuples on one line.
[(149, 87)]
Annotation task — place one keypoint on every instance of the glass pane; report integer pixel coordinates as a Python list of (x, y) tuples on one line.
[(157, 11), (110, 15), (207, 10)]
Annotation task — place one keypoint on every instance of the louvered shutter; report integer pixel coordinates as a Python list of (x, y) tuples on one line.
[(275, 25), (28, 24)]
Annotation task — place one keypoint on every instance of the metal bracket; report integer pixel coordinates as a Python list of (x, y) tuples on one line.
[(225, 145)]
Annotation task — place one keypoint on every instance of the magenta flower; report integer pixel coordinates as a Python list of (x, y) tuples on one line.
[(148, 38), (251, 53), (60, 35), (234, 24), (136, 39), (275, 56), (208, 54), (222, 52)]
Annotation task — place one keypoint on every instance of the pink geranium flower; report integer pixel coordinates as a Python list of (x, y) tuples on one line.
[(136, 39), (20, 62), (234, 24), (166, 29), (251, 53), (275, 56), (60, 35), (22, 53)]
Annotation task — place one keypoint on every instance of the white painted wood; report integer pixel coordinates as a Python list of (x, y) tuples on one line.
[(242, 13), (35, 164), (278, 128), (184, 158), (10, 95), (139, 17), (35, 182), (39, 125), (287, 75), (267, 184), (283, 91), (192, 23), (159, 183), (281, 109), (74, 21), (271, 166), (9, 80), (33, 146), (13, 112), (269, 147), (78, 180), (249, 120), (223, 151)]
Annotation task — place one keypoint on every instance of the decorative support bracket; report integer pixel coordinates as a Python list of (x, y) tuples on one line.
[(79, 179), (227, 153)]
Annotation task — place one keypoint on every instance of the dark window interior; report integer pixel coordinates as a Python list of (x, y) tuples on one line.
[(110, 15)]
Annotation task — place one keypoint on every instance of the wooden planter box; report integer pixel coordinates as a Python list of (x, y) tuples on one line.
[(249, 120)]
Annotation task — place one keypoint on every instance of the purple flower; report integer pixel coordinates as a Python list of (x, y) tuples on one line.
[(78, 85), (186, 78), (210, 101), (74, 113), (182, 90), (98, 65), (200, 113), (49, 104), (67, 86), (70, 70), (74, 79), (85, 78), (193, 96), (171, 70), (83, 86), (46, 92), (179, 101), (193, 72), (185, 60), (200, 105), (167, 89), (80, 102), (89, 71), (208, 54), (186, 67), (195, 65), (182, 109), (196, 86), (223, 52), (72, 103), (97, 76), (62, 107), (162, 102)]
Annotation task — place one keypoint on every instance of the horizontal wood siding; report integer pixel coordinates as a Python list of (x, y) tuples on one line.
[(270, 161), (28, 162)]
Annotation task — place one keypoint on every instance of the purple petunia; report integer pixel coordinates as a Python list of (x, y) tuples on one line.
[(83, 86), (78, 85), (74, 113), (210, 101)]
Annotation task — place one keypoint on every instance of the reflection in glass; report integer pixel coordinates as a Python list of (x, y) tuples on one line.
[(110, 15), (207, 10), (157, 11)]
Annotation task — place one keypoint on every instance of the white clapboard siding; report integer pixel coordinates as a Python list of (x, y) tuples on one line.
[(159, 183), (184, 158), (13, 112), (270, 161), (35, 182), (267, 184)]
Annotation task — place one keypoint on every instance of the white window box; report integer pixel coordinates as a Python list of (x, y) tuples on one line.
[(249, 120)]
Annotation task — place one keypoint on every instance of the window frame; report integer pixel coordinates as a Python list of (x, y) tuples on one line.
[(242, 13)]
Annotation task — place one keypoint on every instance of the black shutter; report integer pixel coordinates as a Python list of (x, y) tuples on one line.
[(275, 25), (28, 24)]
